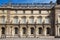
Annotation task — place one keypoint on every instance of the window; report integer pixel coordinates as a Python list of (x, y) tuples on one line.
[(47, 20), (19, 11), (48, 30), (39, 20), (59, 19), (28, 11), (16, 30), (31, 20), (1, 11), (5, 11), (13, 11), (32, 30), (15, 20), (40, 30), (3, 30), (59, 30), (44, 11), (24, 30), (23, 20), (2, 19), (35, 11)]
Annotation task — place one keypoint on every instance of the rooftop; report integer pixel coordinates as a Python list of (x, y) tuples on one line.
[(28, 5)]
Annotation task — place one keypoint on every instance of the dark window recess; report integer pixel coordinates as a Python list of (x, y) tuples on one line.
[(3, 30), (16, 30), (40, 30), (32, 30), (24, 30), (48, 30)]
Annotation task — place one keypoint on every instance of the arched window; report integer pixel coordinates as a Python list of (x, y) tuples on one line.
[(16, 20), (31, 20), (32, 30), (24, 30), (3, 30), (48, 30), (39, 20), (16, 30), (40, 30), (23, 20)]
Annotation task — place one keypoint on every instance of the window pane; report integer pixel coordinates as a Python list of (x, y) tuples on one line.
[(39, 20), (23, 20), (13, 11), (28, 11), (36, 11), (59, 30), (31, 20), (5, 11), (59, 19), (2, 19), (1, 11), (16, 20), (44, 12), (47, 20), (20, 11)]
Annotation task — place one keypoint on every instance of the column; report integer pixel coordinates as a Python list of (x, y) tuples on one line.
[(0, 32), (56, 31), (28, 31), (20, 31), (13, 31), (44, 31), (36, 31), (7, 31)]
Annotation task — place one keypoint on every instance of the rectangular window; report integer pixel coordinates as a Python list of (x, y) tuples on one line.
[(39, 20), (28, 12), (19, 11), (35, 11), (47, 20), (2, 20), (13, 11), (31, 21), (44, 12), (59, 19), (1, 11), (5, 11), (15, 21), (23, 20)]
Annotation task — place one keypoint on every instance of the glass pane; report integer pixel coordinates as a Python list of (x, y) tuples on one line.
[(47, 20), (39, 20), (31, 20), (23, 20)]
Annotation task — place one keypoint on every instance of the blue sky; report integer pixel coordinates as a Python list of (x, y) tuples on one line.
[(26, 1)]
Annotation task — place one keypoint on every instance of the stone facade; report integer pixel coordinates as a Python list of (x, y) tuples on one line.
[(30, 21)]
